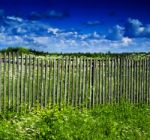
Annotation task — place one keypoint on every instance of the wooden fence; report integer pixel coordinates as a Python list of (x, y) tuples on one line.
[(26, 81)]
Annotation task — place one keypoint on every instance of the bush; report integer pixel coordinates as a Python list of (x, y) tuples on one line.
[(123, 121)]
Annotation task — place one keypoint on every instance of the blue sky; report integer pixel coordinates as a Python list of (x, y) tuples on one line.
[(76, 25)]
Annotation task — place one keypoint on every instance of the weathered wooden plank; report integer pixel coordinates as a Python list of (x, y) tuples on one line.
[(9, 80), (42, 80), (137, 81), (54, 81), (149, 80), (0, 83), (73, 83), (69, 82), (61, 82), (96, 82), (99, 92), (21, 82), (33, 82), (25, 83), (17, 84), (37, 86), (110, 80), (86, 83), (57, 83), (29, 83), (49, 82), (45, 83), (65, 82), (143, 71), (90, 83), (4, 81)]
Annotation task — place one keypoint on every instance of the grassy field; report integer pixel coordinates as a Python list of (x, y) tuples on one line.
[(124, 121)]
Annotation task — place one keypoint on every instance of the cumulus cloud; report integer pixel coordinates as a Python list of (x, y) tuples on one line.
[(133, 28), (116, 33), (43, 37), (18, 19), (53, 30)]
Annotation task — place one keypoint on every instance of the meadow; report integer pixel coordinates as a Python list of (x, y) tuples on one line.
[(118, 122)]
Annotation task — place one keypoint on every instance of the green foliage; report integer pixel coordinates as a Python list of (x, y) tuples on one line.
[(134, 55), (124, 121), (16, 50)]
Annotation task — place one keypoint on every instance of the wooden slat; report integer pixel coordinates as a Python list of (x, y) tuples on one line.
[(42, 80), (0, 84), (61, 82), (143, 69), (4, 81), (126, 79), (76, 91), (33, 81), (25, 83), (21, 82), (73, 84), (54, 81), (118, 82), (149, 80), (86, 83), (99, 83), (49, 82), (17, 84), (96, 83), (108, 80), (13, 80), (137, 69), (111, 79), (37, 79), (65, 82), (105, 82), (57, 83), (45, 83), (90, 83), (79, 88), (9, 80), (139, 80), (68, 83)]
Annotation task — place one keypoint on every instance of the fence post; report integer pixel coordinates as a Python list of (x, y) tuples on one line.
[(0, 83), (92, 83)]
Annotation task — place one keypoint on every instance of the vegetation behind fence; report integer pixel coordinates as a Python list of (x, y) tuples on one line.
[(26, 80)]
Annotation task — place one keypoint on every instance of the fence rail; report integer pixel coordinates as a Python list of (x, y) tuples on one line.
[(27, 80)]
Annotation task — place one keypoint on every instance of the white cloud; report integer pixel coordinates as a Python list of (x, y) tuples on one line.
[(39, 36), (116, 33), (15, 18), (126, 40), (53, 30)]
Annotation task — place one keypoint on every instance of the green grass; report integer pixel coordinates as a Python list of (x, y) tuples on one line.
[(124, 121)]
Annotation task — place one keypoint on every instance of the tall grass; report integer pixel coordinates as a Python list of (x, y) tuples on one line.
[(125, 121)]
